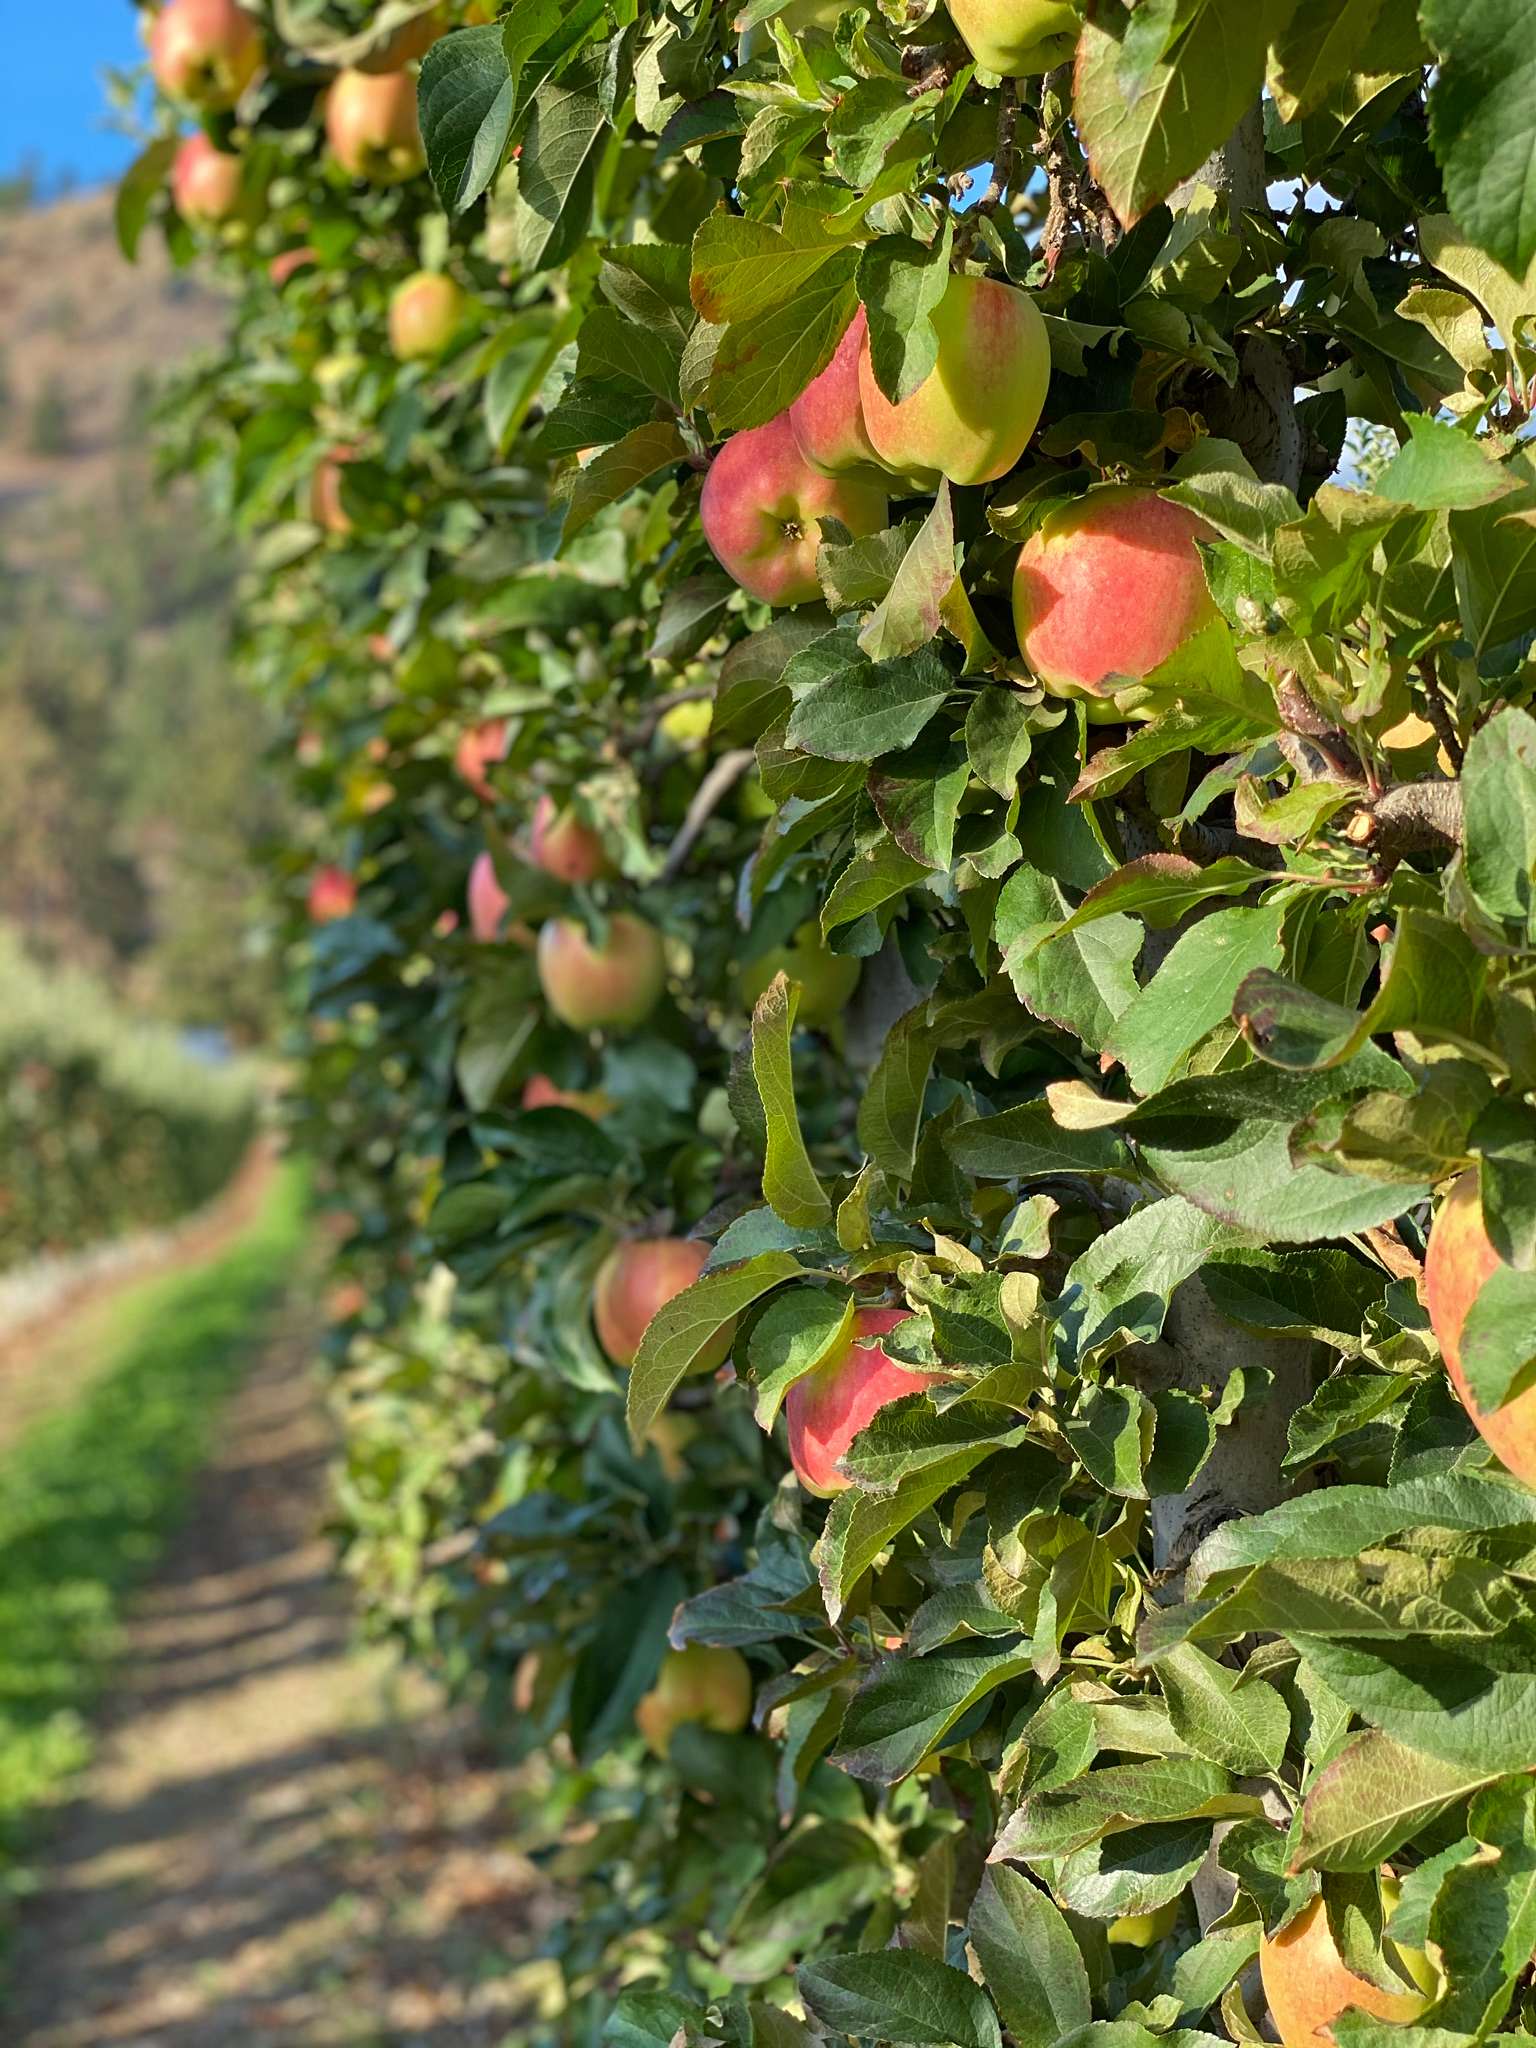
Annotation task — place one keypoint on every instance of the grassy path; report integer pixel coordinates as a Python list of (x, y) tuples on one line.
[(277, 1842)]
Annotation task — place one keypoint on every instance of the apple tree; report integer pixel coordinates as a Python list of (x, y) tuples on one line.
[(906, 638)]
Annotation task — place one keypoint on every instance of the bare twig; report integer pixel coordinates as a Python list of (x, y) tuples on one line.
[(1440, 712), (932, 66), (707, 798), (1004, 150)]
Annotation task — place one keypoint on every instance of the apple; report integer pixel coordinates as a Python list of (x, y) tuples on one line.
[(284, 266), (332, 894), (826, 1409), (1111, 587), (1307, 1984), (636, 1279), (615, 981), (204, 52), (1459, 1262), (486, 900), (828, 416), (477, 749), (971, 417), (411, 40), (560, 844), (761, 509), (687, 726), (205, 183), (370, 123), (712, 1688), (1018, 38), (326, 507), (827, 980), (424, 316), (1141, 1930), (540, 1092)]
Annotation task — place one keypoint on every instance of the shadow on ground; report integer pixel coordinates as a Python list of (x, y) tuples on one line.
[(280, 1841)]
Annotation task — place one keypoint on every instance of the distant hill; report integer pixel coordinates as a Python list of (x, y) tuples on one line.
[(127, 746), (82, 332)]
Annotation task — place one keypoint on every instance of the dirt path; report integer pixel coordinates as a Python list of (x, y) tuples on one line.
[(278, 1844)]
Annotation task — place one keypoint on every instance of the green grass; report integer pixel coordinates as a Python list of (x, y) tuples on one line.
[(90, 1491)]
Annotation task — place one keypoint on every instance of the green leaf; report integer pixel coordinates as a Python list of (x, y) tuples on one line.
[(1029, 1960), (620, 1658), (1484, 1919), (1026, 1143), (1482, 121), (1493, 552), (1160, 888), (1242, 1727), (891, 1108), (906, 1705), (1498, 784), (865, 709), (1117, 1292), (139, 187), (1315, 49), (870, 879), (998, 738), (826, 1871), (791, 1338), (764, 362), (745, 267), (1443, 468), (1101, 1802), (789, 1180), (1192, 992), (1148, 118), (1083, 980), (900, 284), (898, 1994), (683, 1327), (1498, 1338), (860, 1525), (1374, 1796), (907, 1437), (1110, 1432), (646, 453), (557, 171), (908, 616), (865, 122), (465, 104)]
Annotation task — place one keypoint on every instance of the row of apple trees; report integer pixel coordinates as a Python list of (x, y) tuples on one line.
[(905, 639)]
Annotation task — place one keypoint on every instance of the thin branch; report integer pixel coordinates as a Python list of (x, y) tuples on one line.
[(1440, 712), (707, 798), (1004, 150)]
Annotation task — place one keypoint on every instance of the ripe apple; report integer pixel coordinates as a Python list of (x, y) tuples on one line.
[(370, 123), (486, 901), (1307, 1984), (971, 417), (616, 981), (424, 316), (710, 1687), (828, 416), (1018, 38), (1110, 588), (560, 844), (326, 507), (636, 1279), (204, 52), (479, 747), (205, 183), (285, 265), (540, 1092), (826, 1409), (1459, 1262), (761, 508), (827, 980), (332, 894)]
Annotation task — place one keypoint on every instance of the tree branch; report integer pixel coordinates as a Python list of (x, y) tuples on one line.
[(1413, 817), (707, 798)]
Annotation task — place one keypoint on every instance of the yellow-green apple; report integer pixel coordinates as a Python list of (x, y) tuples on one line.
[(710, 1687), (540, 1092), (636, 1279), (205, 182), (560, 844), (1111, 587), (1141, 1930), (204, 52), (1458, 1264), (825, 1410), (371, 125), (424, 316), (828, 416), (827, 980), (1307, 1984), (615, 981), (1018, 38), (479, 748), (971, 417), (687, 725), (332, 894), (762, 507)]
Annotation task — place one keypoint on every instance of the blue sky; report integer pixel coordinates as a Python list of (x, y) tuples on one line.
[(53, 110)]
